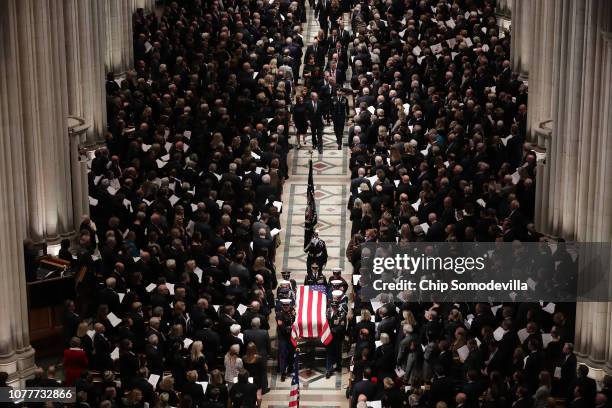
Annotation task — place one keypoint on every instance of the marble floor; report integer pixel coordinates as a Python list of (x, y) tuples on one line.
[(331, 193), (331, 178)]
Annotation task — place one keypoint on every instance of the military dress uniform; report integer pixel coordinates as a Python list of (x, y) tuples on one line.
[(284, 291), (339, 110), (341, 298), (336, 318), (286, 275), (316, 252), (284, 321), (315, 277)]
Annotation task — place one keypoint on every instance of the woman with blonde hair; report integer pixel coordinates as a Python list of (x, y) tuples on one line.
[(364, 323), (367, 217), (355, 217), (409, 318), (197, 360), (166, 385), (86, 341), (277, 177), (233, 363)]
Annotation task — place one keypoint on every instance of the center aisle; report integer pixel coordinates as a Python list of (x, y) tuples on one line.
[(332, 181)]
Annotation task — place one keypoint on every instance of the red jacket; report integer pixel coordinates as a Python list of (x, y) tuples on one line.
[(75, 361)]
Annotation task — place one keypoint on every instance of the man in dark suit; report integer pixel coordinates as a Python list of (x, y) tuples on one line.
[(155, 359), (568, 367), (211, 341), (318, 51), (243, 393), (109, 297), (102, 349), (587, 387), (71, 321), (265, 191), (339, 111), (358, 180), (442, 388), (314, 113), (322, 11), (533, 365), (435, 233), (496, 361), (364, 386), (259, 336), (262, 244)]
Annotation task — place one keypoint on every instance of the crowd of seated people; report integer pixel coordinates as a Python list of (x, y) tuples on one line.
[(185, 205), (439, 153), (185, 200)]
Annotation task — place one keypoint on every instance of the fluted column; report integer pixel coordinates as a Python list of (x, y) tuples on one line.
[(523, 21), (576, 175), (541, 72), (118, 33), (543, 134), (78, 128), (85, 64), (16, 354), (42, 64), (594, 343)]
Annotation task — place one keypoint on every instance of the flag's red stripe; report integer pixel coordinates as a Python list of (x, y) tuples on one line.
[(297, 325), (310, 309), (320, 315)]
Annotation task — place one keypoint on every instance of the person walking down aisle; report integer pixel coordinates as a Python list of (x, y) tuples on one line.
[(315, 119), (339, 111)]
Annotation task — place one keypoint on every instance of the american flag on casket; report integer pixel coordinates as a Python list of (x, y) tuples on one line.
[(311, 314)]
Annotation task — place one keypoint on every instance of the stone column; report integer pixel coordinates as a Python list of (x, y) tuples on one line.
[(42, 85), (85, 64), (118, 33), (77, 128), (16, 354), (578, 167), (593, 341), (541, 72), (523, 21), (543, 134)]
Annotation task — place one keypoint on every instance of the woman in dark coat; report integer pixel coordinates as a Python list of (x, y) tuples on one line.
[(299, 119)]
